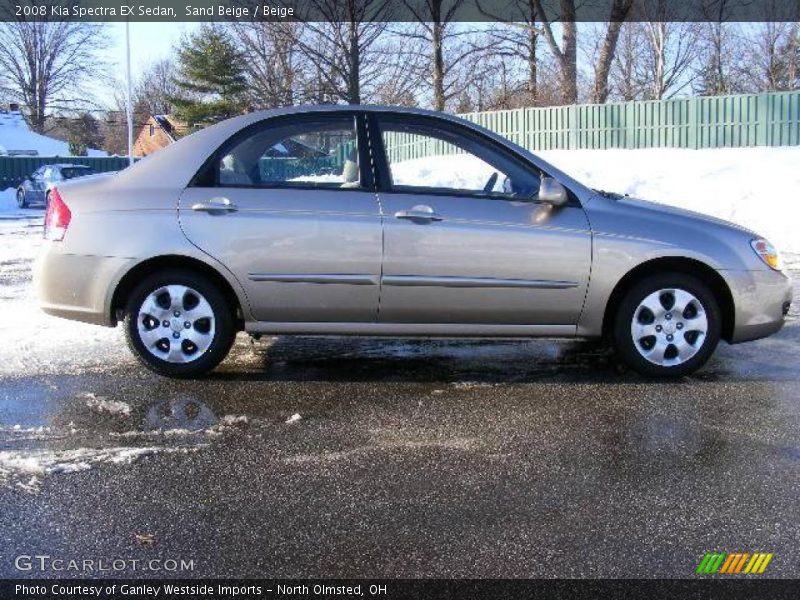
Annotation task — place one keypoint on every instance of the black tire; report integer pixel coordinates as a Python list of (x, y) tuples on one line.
[(224, 324), (22, 202), (623, 338)]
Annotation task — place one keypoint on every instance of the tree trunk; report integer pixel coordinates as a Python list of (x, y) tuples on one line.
[(533, 41), (566, 55), (792, 51), (437, 41), (619, 12), (354, 75), (659, 37), (569, 64)]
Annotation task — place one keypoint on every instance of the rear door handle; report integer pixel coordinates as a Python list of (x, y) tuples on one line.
[(215, 206), (421, 212)]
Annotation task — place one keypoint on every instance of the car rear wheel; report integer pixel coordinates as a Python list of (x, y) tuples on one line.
[(22, 202), (667, 325), (178, 324)]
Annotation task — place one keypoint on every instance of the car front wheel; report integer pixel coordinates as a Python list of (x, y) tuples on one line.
[(178, 324), (667, 325)]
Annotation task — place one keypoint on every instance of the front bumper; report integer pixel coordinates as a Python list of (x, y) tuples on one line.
[(761, 302), (77, 287)]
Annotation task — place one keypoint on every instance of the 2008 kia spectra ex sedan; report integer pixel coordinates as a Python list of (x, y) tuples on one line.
[(392, 222)]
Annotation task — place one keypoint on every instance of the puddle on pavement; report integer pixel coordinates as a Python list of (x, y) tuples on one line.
[(48, 430)]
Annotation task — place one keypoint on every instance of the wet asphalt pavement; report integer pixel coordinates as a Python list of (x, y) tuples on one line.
[(408, 459)]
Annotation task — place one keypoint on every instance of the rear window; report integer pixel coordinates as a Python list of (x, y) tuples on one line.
[(76, 172)]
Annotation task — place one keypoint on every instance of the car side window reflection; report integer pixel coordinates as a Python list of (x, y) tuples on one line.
[(322, 153), (422, 158)]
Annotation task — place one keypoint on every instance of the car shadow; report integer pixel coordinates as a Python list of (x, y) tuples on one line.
[(342, 359)]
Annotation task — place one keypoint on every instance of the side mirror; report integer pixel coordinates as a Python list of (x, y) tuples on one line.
[(552, 192)]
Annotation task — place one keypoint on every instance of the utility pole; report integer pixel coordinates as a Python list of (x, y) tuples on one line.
[(128, 101)]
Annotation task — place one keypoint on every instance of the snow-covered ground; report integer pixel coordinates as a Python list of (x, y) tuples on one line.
[(32, 342)]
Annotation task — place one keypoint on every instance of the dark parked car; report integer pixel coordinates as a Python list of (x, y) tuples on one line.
[(33, 191)]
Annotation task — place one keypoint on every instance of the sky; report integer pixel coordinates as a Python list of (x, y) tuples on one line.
[(150, 42)]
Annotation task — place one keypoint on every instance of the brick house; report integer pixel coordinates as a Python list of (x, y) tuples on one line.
[(158, 131)]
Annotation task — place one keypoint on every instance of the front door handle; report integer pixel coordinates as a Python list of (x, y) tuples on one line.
[(421, 212), (216, 206)]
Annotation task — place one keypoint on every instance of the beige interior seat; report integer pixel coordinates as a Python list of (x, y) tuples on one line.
[(350, 173), (231, 172)]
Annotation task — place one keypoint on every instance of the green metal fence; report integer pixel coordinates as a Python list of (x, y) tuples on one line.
[(13, 169), (770, 119)]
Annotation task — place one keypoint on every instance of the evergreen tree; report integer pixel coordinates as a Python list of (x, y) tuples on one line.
[(210, 78)]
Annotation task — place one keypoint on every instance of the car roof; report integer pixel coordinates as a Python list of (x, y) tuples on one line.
[(368, 108)]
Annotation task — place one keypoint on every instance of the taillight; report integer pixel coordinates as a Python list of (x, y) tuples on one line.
[(57, 217)]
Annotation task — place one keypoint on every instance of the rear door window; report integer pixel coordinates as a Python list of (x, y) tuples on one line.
[(318, 153)]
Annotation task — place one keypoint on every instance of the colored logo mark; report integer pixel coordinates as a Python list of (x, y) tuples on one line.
[(733, 563)]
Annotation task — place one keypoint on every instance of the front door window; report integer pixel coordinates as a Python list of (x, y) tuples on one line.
[(433, 159)]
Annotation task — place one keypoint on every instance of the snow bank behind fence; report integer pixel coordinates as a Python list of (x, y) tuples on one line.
[(758, 188)]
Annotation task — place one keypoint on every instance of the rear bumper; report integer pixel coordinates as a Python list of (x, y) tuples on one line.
[(77, 287), (760, 299)]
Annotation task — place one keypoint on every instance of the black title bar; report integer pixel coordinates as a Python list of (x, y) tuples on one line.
[(391, 589), (398, 10)]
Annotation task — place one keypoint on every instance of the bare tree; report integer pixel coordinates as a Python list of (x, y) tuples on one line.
[(46, 65), (402, 65), (339, 47), (519, 39), (627, 82), (274, 63), (565, 54), (669, 56), (771, 56), (448, 46), (155, 86), (717, 53)]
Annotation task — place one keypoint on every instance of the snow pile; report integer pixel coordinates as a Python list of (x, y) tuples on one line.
[(235, 419), (102, 404), (459, 171), (21, 465), (16, 137), (757, 188), (8, 203), (228, 423)]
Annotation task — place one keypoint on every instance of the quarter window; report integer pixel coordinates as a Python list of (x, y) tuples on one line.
[(321, 153)]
